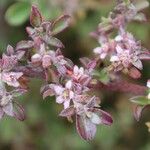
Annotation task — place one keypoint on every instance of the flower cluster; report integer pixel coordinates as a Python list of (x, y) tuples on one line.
[(124, 51), (72, 86)]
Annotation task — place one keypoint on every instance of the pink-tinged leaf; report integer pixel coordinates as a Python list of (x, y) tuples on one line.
[(47, 93), (92, 102), (30, 31), (60, 24), (104, 116), (70, 111), (138, 110), (23, 45), (19, 112), (145, 55), (138, 64), (35, 17), (8, 109), (53, 41), (10, 50), (18, 92), (85, 128), (134, 73)]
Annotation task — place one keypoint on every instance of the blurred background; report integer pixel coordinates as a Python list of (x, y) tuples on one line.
[(43, 129)]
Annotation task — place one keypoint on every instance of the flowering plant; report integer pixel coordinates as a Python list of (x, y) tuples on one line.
[(41, 57)]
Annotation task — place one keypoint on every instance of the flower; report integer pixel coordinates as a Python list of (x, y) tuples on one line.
[(11, 78), (124, 58), (102, 51), (63, 94)]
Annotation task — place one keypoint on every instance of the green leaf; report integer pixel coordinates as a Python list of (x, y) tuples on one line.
[(102, 75), (60, 24), (18, 13), (140, 100)]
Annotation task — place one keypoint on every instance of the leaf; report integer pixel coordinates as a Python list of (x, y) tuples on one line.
[(67, 112), (134, 73), (24, 45), (102, 75), (140, 5), (85, 128), (104, 116), (140, 100), (17, 13), (19, 113), (48, 92), (35, 17), (137, 112), (60, 24), (53, 41)]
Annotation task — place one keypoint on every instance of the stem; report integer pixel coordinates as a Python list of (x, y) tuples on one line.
[(122, 86)]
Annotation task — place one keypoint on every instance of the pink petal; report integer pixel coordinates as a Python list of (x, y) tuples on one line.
[(98, 50), (66, 104), (68, 84), (59, 100), (114, 58)]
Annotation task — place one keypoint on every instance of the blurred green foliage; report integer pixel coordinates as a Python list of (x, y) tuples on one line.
[(43, 129)]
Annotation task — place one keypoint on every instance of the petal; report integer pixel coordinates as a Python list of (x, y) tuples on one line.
[(59, 100), (103, 55), (114, 58), (71, 94), (118, 38), (68, 84), (66, 104), (97, 50), (58, 89), (75, 69), (119, 49), (81, 70)]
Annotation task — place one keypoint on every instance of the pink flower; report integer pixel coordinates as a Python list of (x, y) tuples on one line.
[(63, 94), (124, 58), (102, 51), (11, 78)]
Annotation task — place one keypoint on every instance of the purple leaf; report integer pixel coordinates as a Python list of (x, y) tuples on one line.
[(134, 73), (85, 128), (19, 113), (67, 112), (22, 45), (10, 50), (104, 116), (35, 17), (60, 24), (138, 110), (8, 109), (53, 41), (48, 92)]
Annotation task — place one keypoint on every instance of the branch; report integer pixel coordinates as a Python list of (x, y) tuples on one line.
[(122, 86)]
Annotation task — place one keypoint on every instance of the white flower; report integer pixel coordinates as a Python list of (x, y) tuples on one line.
[(64, 94)]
